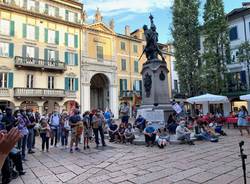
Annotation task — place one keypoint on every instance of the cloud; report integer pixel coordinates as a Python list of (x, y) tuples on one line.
[(126, 18), (117, 7)]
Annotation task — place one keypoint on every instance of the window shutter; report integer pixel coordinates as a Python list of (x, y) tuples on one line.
[(25, 4), (57, 12), (66, 57), (36, 52), (24, 30), (46, 37), (57, 55), (121, 85), (37, 33), (57, 38), (46, 9), (76, 17), (46, 54), (66, 39), (66, 87), (66, 15), (24, 51), (12, 28), (76, 41), (76, 84), (134, 85), (37, 6), (10, 80), (11, 50), (125, 85), (76, 59)]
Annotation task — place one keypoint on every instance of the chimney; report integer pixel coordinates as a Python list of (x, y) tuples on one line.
[(246, 4), (127, 30)]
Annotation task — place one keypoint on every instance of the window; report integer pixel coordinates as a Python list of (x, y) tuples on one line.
[(51, 11), (51, 80), (136, 86), (51, 55), (29, 81), (4, 27), (3, 80), (71, 16), (123, 46), (71, 40), (176, 85), (135, 48), (99, 52), (71, 59), (31, 32), (51, 36), (71, 84), (123, 85), (233, 33), (124, 67), (4, 49), (30, 52), (31, 4), (136, 66)]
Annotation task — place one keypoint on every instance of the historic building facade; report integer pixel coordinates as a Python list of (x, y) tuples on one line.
[(50, 58)]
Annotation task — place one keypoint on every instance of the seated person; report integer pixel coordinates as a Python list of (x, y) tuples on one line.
[(150, 135), (162, 138), (203, 132), (113, 131), (129, 134), (171, 124), (183, 133), (217, 128), (121, 131), (140, 123)]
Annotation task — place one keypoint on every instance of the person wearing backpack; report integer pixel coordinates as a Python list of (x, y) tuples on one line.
[(54, 125)]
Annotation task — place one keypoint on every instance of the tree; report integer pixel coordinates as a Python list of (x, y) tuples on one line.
[(185, 32), (216, 47)]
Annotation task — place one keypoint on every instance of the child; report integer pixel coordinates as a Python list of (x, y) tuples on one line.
[(129, 134), (86, 129), (45, 134), (65, 128), (162, 138)]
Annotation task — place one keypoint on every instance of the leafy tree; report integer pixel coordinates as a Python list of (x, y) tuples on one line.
[(185, 32), (216, 47)]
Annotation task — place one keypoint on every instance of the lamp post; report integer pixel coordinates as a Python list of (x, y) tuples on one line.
[(243, 158)]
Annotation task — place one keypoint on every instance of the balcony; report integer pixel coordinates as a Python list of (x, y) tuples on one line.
[(39, 93), (39, 64), (130, 94), (4, 92)]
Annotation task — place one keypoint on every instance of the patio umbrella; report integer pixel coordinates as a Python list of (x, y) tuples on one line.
[(208, 98), (245, 97)]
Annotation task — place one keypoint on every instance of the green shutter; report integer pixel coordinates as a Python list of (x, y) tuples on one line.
[(36, 52), (10, 80), (66, 84), (46, 54), (24, 51), (24, 30), (66, 57), (11, 50), (46, 9), (76, 17), (57, 55), (76, 41), (57, 12), (136, 66), (125, 85), (76, 59), (12, 28), (66, 15), (46, 35), (57, 38), (37, 33), (121, 85), (66, 39), (76, 84)]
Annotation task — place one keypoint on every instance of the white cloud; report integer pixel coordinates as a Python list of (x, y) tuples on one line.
[(116, 7)]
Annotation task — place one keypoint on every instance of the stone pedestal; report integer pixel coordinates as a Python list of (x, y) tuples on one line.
[(156, 105)]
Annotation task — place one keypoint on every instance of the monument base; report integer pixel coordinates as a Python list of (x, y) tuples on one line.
[(157, 115)]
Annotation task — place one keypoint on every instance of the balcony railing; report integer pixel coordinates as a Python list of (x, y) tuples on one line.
[(38, 92), (35, 63), (130, 94), (4, 92)]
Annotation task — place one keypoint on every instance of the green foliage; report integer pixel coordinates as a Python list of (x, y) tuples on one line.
[(244, 52), (185, 32), (216, 47)]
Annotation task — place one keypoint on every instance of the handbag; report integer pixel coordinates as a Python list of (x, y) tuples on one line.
[(66, 125)]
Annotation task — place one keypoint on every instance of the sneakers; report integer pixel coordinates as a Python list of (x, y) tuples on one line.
[(31, 152), (21, 173), (88, 147)]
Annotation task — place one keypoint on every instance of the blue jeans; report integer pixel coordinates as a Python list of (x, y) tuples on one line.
[(22, 145), (30, 139), (54, 136), (108, 121), (64, 138)]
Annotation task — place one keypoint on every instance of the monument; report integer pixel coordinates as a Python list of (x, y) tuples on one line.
[(156, 105)]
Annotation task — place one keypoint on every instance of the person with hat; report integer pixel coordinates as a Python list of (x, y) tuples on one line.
[(183, 133), (150, 134)]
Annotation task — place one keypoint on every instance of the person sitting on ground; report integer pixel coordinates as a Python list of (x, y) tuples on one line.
[(140, 123), (150, 135), (217, 128), (121, 131), (171, 124), (183, 133), (129, 134), (113, 131), (207, 133), (162, 138)]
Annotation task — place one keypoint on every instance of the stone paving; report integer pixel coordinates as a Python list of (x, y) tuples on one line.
[(211, 163)]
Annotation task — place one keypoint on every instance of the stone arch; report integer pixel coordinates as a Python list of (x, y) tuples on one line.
[(29, 105)]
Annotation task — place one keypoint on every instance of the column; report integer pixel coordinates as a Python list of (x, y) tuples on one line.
[(85, 100), (40, 109), (113, 102)]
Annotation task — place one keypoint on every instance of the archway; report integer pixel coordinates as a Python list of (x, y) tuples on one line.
[(49, 107), (99, 91), (29, 105), (6, 103)]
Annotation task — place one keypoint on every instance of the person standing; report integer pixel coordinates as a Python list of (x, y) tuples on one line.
[(30, 126), (75, 122), (86, 130), (65, 128), (108, 115), (125, 113), (98, 123), (54, 125), (45, 134), (242, 120)]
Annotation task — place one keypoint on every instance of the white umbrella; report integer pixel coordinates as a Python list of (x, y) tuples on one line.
[(245, 97), (208, 98)]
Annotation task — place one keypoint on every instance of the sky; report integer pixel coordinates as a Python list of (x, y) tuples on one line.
[(135, 13)]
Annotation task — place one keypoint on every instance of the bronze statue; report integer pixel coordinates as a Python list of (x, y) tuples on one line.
[(152, 48)]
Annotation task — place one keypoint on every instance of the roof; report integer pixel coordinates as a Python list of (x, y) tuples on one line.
[(238, 12)]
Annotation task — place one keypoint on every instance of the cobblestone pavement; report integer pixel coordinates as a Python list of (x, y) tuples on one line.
[(212, 163)]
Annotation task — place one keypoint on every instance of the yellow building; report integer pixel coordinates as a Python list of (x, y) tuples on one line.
[(40, 53), (50, 58)]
